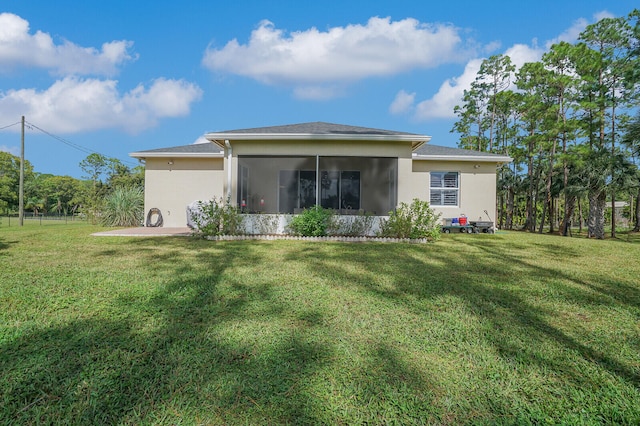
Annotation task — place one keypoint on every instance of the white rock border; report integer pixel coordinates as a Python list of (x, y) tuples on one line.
[(329, 238)]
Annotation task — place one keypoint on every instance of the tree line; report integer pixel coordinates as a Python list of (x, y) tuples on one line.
[(65, 195), (568, 123)]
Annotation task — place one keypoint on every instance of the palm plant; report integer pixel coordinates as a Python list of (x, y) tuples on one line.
[(124, 206)]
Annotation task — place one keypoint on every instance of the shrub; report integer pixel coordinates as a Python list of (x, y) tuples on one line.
[(216, 217), (351, 225), (312, 222), (412, 221), (124, 206)]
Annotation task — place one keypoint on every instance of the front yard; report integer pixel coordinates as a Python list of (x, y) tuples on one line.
[(506, 328)]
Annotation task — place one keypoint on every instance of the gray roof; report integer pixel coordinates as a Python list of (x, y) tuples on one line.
[(317, 128), (199, 148), (321, 129), (195, 149), (437, 150)]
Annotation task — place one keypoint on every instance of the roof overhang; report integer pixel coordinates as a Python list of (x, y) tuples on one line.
[(467, 158), (219, 138), (143, 155)]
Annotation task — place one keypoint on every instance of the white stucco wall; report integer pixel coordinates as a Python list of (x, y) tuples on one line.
[(477, 187), (171, 187)]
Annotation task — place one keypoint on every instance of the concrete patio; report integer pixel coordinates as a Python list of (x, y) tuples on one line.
[(146, 232)]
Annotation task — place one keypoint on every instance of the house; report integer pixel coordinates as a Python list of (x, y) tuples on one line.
[(284, 169)]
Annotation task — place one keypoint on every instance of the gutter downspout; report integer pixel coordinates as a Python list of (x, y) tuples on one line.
[(317, 181), (229, 173)]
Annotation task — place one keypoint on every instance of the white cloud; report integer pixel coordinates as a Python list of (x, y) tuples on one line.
[(75, 105), (20, 48), (200, 140), (402, 103), (13, 150), (520, 54), (450, 93), (602, 15), (311, 59), (571, 34)]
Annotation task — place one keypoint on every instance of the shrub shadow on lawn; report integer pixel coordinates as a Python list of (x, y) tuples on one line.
[(483, 279), (184, 360), (209, 343)]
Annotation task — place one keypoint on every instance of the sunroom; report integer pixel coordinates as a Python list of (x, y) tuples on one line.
[(290, 184)]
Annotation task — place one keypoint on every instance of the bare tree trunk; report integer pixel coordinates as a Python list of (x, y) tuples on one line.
[(636, 227), (549, 184), (551, 215), (597, 203), (580, 216), (613, 213), (530, 223), (501, 212), (543, 216), (569, 208), (510, 207)]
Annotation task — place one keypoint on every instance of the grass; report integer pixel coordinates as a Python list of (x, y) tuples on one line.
[(509, 328)]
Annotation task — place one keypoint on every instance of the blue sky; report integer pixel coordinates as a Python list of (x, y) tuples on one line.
[(116, 77)]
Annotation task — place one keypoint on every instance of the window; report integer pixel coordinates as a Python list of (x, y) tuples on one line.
[(297, 190), (445, 189), (340, 190)]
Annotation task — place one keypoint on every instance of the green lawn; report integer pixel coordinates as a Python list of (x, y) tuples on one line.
[(483, 329)]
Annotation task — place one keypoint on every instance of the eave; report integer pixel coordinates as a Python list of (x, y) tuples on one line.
[(475, 158), (219, 138), (144, 155)]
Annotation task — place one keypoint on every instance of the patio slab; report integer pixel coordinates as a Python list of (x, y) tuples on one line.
[(146, 232)]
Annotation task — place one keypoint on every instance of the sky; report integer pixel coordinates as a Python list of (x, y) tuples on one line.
[(116, 77)]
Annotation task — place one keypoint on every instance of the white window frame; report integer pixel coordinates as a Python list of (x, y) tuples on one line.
[(445, 186)]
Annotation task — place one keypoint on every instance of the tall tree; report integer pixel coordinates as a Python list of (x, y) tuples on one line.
[(561, 62), (612, 39), (532, 112), (632, 140), (493, 78)]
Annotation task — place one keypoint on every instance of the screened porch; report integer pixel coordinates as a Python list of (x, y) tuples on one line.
[(289, 184)]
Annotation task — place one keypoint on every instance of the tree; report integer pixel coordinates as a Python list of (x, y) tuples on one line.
[(613, 40), (561, 62), (94, 166), (532, 113), (632, 140), (493, 78), (478, 111), (10, 179)]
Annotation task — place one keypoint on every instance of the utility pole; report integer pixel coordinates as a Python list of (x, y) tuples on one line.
[(21, 195)]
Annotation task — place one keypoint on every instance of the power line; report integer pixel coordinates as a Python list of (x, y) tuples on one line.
[(72, 144), (10, 125)]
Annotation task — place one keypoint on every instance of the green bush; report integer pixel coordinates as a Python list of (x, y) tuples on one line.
[(123, 207), (359, 225), (412, 221), (216, 217), (312, 222)]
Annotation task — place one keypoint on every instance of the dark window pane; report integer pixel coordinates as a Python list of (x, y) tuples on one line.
[(307, 189), (350, 190), (288, 190), (329, 191)]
